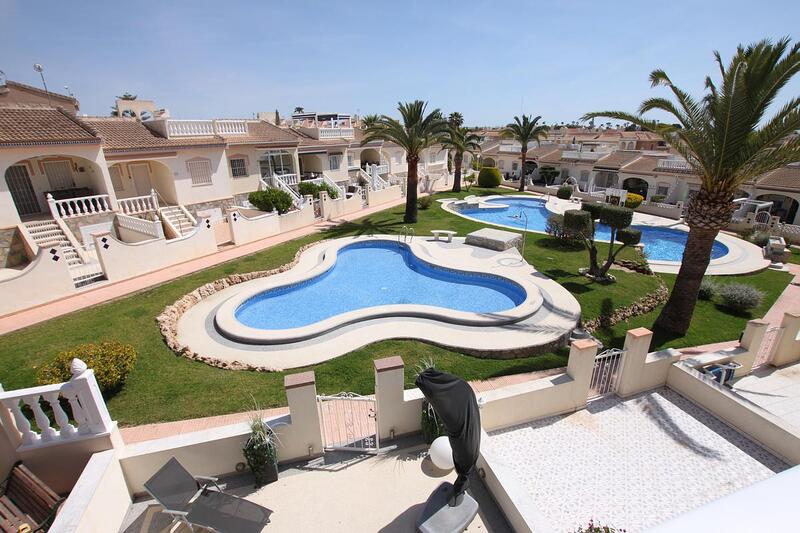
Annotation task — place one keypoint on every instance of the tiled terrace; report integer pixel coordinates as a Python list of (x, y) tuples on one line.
[(775, 389), (630, 463), (344, 493)]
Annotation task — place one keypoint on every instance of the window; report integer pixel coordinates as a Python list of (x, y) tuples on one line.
[(350, 161), (514, 166), (59, 174), (200, 171), (662, 189), (584, 176), (239, 167), (334, 161), (116, 178)]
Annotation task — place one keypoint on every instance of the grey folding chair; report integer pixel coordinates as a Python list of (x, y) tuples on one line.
[(200, 501)]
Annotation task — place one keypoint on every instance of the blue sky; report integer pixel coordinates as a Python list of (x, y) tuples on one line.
[(488, 60)]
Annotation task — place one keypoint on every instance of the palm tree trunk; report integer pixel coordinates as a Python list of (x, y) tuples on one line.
[(412, 183), (677, 314), (457, 162), (522, 169)]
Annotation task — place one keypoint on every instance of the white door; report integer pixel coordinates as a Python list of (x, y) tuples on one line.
[(19, 185), (59, 174), (141, 179)]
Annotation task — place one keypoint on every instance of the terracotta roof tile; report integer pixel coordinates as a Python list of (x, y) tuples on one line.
[(540, 152), (552, 157), (126, 134), (263, 132), (25, 125), (784, 178), (617, 159)]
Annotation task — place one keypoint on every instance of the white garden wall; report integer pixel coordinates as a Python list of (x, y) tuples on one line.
[(45, 279)]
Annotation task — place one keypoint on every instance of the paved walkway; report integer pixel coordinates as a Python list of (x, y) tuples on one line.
[(112, 291)]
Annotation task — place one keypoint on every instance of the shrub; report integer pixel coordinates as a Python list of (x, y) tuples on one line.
[(307, 188), (632, 201), (628, 236), (261, 451), (555, 228), (708, 289), (564, 192), (424, 202), (578, 221), (469, 180), (593, 208), (489, 177), (111, 362), (271, 200), (760, 238), (740, 297), (616, 217), (657, 198)]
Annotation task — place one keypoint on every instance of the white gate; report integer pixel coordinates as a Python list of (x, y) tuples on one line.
[(349, 422), (771, 338), (606, 372)]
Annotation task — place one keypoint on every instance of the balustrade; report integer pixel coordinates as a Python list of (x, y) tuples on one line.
[(89, 414), (76, 207)]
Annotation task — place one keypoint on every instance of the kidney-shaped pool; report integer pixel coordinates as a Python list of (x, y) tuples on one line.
[(376, 274), (660, 244)]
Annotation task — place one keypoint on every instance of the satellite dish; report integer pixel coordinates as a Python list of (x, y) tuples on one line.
[(38, 67)]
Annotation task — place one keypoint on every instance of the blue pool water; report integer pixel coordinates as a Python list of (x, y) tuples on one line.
[(374, 274), (664, 244)]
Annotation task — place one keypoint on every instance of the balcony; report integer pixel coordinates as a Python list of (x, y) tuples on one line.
[(674, 165), (330, 133), (199, 128), (582, 156)]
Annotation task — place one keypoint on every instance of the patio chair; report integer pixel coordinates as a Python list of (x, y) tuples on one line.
[(199, 501)]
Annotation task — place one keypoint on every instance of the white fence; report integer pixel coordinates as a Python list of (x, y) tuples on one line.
[(87, 410), (606, 372), (335, 133), (195, 128), (139, 204), (152, 228), (76, 207), (678, 165)]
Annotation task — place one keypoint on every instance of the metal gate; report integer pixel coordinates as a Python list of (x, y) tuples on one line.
[(768, 345), (19, 184), (606, 372), (349, 422)]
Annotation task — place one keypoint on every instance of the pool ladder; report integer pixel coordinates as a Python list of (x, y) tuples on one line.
[(406, 233)]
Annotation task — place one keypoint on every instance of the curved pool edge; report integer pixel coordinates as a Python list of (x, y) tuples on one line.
[(742, 258), (229, 326)]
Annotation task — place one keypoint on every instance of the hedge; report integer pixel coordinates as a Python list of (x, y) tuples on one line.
[(271, 200), (564, 192), (489, 177), (111, 362)]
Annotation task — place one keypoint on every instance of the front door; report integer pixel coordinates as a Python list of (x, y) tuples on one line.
[(59, 174), (19, 185), (141, 179)]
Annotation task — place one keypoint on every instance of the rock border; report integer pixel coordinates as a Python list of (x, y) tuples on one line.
[(643, 305), (168, 319)]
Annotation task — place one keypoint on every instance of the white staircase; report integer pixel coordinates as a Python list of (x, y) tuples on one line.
[(178, 218), (47, 234)]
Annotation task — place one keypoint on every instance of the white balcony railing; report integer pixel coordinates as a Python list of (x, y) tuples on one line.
[(153, 228), (139, 204), (81, 392), (678, 165), (335, 133), (382, 169), (582, 156), (78, 207), (200, 128)]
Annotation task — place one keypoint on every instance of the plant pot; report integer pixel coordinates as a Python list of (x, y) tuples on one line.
[(271, 473)]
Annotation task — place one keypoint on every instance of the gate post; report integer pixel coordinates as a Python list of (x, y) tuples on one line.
[(787, 348), (751, 341), (398, 411), (637, 344), (306, 435), (579, 367)]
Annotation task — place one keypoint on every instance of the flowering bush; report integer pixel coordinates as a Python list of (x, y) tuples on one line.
[(633, 200), (708, 289), (111, 362)]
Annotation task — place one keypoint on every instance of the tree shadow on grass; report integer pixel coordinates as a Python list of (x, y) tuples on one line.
[(364, 227), (733, 312)]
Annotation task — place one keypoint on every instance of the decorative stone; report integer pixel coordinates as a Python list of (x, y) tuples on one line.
[(77, 367), (494, 239)]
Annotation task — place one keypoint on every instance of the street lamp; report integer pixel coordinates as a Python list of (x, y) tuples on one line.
[(40, 69)]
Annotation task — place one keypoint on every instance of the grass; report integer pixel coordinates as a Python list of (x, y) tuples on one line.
[(165, 387), (795, 257)]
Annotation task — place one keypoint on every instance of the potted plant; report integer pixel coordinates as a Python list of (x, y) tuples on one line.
[(261, 451)]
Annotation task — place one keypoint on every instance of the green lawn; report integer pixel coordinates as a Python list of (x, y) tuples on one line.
[(166, 387), (795, 257)]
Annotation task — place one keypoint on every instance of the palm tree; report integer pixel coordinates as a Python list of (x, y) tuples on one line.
[(368, 120), (524, 131), (459, 141), (415, 133), (456, 119), (727, 141)]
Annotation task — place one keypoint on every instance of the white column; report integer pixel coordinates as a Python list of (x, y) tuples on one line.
[(88, 393), (751, 341), (579, 367), (395, 415), (787, 348), (306, 434), (637, 344)]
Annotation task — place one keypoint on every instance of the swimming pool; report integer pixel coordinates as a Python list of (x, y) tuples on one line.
[(660, 244), (376, 274)]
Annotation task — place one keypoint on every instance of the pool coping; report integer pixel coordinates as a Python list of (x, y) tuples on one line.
[(742, 258), (325, 254)]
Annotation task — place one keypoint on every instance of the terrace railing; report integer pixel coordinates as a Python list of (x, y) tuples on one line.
[(675, 165), (153, 228), (201, 128), (86, 415), (583, 156), (276, 182), (78, 207), (335, 133), (139, 204)]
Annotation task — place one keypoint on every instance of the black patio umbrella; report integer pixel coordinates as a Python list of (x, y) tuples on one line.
[(455, 405)]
